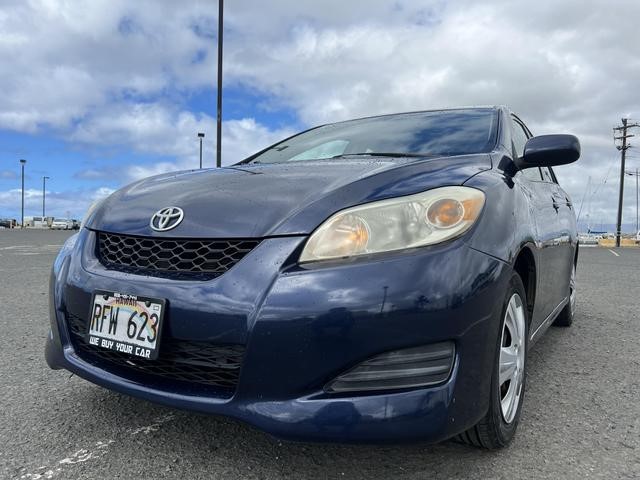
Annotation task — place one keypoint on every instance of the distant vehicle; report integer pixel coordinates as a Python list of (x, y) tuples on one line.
[(638, 236), (5, 223), (76, 224), (62, 224), (589, 238)]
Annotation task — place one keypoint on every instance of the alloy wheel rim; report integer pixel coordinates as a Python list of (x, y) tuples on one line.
[(572, 290), (512, 358)]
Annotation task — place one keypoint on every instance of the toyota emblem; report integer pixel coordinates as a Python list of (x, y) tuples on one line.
[(166, 219)]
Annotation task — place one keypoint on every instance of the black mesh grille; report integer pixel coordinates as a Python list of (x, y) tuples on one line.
[(193, 362), (171, 258)]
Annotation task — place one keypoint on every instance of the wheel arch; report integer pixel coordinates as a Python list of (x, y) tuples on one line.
[(525, 266)]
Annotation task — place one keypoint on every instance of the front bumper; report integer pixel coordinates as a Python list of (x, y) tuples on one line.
[(302, 327)]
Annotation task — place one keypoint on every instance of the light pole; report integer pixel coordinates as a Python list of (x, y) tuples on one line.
[(44, 182), (636, 174), (22, 162), (201, 136), (219, 106)]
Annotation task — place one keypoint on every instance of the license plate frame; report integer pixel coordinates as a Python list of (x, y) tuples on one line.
[(135, 347)]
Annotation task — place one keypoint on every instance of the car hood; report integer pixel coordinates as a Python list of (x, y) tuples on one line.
[(264, 200)]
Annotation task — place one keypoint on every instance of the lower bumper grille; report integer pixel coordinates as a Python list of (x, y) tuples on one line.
[(415, 367), (192, 362)]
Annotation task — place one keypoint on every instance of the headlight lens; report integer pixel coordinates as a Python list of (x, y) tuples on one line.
[(406, 222)]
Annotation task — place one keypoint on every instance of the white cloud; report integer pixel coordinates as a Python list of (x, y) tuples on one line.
[(65, 59), (60, 204), (161, 130)]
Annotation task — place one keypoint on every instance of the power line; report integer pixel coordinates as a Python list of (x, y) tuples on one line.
[(606, 177), (592, 190), (586, 191), (590, 194)]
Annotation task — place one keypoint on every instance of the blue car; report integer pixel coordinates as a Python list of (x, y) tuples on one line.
[(374, 280)]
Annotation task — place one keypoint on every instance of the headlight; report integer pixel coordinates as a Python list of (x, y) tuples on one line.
[(90, 210), (396, 224)]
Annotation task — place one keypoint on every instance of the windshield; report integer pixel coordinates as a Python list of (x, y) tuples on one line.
[(449, 132)]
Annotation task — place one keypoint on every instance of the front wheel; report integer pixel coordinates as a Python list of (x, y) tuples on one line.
[(498, 426)]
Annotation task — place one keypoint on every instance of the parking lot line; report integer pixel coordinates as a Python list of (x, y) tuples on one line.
[(615, 253)]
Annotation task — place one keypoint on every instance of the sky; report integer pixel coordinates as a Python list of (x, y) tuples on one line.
[(98, 94)]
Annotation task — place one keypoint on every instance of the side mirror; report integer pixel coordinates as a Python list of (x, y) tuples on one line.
[(549, 150)]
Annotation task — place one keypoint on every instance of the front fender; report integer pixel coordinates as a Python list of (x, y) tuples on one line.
[(506, 224)]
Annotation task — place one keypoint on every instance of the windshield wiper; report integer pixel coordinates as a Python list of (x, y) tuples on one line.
[(384, 154)]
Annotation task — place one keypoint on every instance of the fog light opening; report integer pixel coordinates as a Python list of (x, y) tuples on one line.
[(415, 367)]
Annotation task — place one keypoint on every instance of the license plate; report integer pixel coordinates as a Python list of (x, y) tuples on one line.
[(130, 324)]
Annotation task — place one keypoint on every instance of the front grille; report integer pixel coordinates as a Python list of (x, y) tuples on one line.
[(170, 258), (192, 362)]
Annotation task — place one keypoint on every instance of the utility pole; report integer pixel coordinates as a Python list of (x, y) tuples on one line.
[(636, 174), (44, 182), (22, 162), (623, 152), (219, 119)]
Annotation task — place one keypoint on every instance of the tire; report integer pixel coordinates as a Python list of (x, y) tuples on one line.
[(497, 428), (565, 317)]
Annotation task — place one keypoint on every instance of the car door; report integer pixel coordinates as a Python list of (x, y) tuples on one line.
[(546, 229), (566, 237)]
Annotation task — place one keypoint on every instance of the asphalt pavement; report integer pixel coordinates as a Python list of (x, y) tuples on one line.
[(581, 415)]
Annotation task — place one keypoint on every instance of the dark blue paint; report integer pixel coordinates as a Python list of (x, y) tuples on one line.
[(304, 325), (276, 199)]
